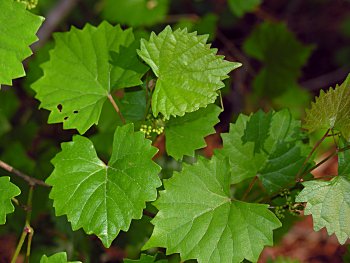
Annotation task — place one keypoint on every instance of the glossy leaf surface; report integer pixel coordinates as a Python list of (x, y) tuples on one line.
[(101, 198)]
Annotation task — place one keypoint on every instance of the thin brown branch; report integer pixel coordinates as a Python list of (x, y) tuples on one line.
[(30, 180), (249, 188), (262, 14), (53, 19), (330, 156), (235, 52), (298, 177), (176, 18), (326, 80), (149, 214), (115, 106)]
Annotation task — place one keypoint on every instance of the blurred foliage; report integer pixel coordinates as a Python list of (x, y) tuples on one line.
[(284, 48)]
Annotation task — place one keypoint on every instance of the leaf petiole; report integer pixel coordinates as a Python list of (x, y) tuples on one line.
[(115, 106)]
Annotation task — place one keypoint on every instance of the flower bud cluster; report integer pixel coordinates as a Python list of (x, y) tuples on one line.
[(290, 206), (153, 126), (30, 4), (149, 129)]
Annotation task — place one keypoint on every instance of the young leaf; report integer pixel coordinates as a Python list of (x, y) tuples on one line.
[(7, 191), (331, 110), (17, 33), (282, 54), (198, 124), (135, 13), (280, 153), (198, 219), (240, 7), (100, 198), (57, 258), (189, 72), (329, 201), (79, 77)]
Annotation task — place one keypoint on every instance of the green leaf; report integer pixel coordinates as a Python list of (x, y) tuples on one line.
[(146, 259), (329, 204), (282, 154), (189, 72), (133, 105), (17, 33), (78, 78), (257, 129), (331, 110), (329, 201), (206, 24), (135, 13), (240, 7), (34, 71), (244, 162), (100, 198), (57, 258), (198, 219), (282, 55), (282, 166), (198, 124), (7, 191), (127, 69), (133, 108), (288, 101)]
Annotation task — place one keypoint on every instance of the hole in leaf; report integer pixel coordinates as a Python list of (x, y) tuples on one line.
[(65, 118), (59, 107), (75, 112)]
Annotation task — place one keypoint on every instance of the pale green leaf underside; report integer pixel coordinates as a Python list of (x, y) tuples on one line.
[(240, 7), (79, 76), (331, 110), (135, 13), (329, 201), (17, 33), (57, 258), (7, 191), (198, 219), (189, 72), (279, 157), (199, 124), (329, 204), (100, 198)]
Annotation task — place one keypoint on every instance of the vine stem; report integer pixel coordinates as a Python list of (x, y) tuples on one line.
[(298, 178), (30, 180), (116, 108), (27, 230), (262, 14), (235, 52), (249, 188), (149, 214), (330, 156), (221, 102), (19, 246)]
